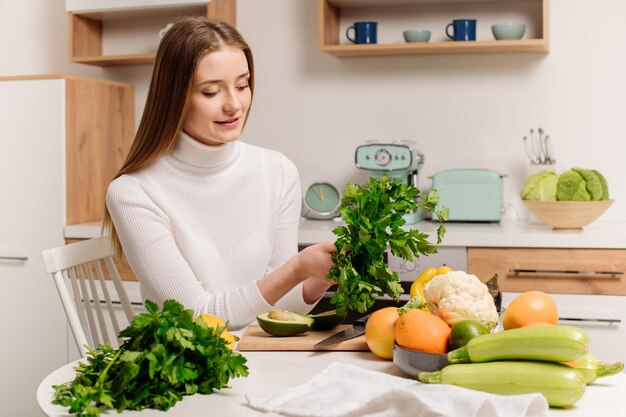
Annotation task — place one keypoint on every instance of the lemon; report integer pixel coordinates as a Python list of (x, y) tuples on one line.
[(218, 323), (212, 321), (230, 338)]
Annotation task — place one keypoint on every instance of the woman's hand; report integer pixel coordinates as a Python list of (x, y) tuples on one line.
[(310, 266), (313, 265), (314, 261)]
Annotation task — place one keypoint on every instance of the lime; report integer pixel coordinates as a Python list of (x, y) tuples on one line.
[(464, 331)]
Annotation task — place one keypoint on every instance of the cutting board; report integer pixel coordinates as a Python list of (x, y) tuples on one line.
[(254, 338)]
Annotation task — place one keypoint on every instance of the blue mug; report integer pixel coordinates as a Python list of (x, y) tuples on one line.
[(463, 30), (364, 32)]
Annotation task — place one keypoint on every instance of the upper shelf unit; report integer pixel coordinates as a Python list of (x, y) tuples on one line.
[(395, 16), (126, 32)]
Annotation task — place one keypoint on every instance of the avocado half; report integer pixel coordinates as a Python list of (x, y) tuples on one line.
[(327, 320), (298, 325)]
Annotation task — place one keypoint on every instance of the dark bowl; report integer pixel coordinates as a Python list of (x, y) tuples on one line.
[(412, 362)]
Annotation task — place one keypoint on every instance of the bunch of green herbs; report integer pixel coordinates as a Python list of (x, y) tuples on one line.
[(166, 355), (373, 214)]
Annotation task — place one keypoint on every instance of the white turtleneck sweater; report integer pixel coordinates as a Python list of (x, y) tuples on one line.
[(203, 223)]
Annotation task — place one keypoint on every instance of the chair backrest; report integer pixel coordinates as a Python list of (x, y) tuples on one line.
[(79, 271)]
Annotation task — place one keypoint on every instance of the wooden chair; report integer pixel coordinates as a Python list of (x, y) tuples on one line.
[(89, 306)]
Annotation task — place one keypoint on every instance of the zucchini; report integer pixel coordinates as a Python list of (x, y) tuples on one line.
[(560, 384), (591, 368), (543, 343)]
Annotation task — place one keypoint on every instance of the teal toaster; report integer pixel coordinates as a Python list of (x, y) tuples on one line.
[(471, 195)]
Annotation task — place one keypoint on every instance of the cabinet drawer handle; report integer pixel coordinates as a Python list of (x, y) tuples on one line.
[(590, 320), (612, 274), (13, 258)]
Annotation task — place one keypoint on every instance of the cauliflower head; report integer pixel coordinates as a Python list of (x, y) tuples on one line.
[(457, 296)]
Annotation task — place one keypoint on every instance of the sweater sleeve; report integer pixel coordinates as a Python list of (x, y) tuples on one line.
[(151, 250), (285, 240)]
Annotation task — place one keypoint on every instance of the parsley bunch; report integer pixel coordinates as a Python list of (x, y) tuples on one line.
[(373, 215), (167, 355)]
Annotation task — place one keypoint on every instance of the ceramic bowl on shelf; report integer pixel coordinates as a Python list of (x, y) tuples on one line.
[(416, 35), (568, 214), (508, 31), (412, 362)]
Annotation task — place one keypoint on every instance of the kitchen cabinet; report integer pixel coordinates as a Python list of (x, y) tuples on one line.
[(394, 16), (588, 285), (62, 139), (126, 32), (554, 270)]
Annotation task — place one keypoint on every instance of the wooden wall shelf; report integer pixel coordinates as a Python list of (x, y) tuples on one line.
[(331, 38), (86, 27)]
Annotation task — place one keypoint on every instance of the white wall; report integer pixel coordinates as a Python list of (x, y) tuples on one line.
[(462, 110)]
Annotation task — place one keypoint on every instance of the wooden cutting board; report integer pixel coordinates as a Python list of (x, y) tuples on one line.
[(254, 338)]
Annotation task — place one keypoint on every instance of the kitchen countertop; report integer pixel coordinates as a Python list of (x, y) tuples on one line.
[(272, 372), (509, 233)]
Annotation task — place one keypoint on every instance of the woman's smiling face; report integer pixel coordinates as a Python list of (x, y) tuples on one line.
[(220, 98)]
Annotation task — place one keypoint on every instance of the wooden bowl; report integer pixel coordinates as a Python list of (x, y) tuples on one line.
[(568, 214)]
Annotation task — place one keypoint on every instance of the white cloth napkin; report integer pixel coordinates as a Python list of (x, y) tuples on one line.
[(344, 390)]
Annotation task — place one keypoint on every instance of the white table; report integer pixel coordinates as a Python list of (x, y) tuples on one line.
[(271, 372)]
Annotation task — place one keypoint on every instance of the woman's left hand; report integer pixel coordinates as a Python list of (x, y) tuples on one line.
[(315, 260), (313, 265)]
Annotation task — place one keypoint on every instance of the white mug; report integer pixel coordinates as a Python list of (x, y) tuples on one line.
[(165, 29)]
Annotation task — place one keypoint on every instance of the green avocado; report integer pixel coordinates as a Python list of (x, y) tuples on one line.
[(284, 323), (327, 320)]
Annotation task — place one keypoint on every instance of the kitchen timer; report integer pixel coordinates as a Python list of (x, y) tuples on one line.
[(321, 201)]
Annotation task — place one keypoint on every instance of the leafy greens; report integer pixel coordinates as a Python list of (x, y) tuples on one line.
[(373, 215), (167, 355)]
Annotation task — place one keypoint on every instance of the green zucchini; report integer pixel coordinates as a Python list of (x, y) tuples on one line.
[(560, 384), (591, 368), (542, 343)]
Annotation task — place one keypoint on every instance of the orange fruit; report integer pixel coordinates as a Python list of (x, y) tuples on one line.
[(380, 332), (538, 324), (216, 322), (530, 307), (420, 330)]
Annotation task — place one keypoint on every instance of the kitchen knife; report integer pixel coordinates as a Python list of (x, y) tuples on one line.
[(357, 329)]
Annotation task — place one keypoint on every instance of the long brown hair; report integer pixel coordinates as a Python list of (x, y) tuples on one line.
[(177, 57)]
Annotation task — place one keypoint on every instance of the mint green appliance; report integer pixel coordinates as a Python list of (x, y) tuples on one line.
[(400, 160), (471, 195)]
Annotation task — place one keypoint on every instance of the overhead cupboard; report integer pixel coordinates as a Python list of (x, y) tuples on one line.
[(395, 16), (126, 32)]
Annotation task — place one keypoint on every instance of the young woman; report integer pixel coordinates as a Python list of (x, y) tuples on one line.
[(203, 218)]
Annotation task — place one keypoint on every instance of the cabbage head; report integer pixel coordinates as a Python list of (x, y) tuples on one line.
[(605, 185), (579, 184), (541, 186)]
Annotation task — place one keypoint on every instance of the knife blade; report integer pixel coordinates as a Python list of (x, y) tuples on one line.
[(357, 329)]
